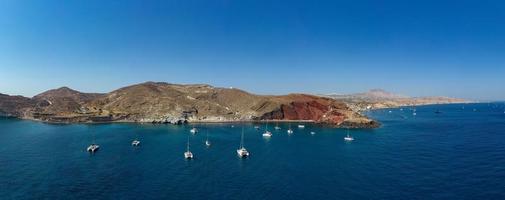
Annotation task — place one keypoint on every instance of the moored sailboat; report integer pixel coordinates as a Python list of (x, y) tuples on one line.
[(242, 151), (188, 154)]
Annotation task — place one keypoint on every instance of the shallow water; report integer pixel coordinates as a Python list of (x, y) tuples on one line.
[(458, 154)]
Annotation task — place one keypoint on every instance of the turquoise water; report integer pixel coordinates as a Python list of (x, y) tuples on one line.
[(458, 154)]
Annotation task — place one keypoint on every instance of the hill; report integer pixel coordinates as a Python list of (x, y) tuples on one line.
[(160, 102), (378, 98)]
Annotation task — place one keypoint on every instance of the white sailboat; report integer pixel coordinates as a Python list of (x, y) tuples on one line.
[(136, 141), (242, 151), (188, 154), (348, 137), (267, 133), (290, 131), (277, 127), (301, 126), (93, 147), (193, 130), (207, 142)]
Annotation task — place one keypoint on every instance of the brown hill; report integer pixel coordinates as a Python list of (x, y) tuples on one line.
[(63, 101), (15, 105), (174, 103)]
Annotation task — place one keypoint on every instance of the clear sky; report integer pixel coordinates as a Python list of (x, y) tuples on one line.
[(417, 48)]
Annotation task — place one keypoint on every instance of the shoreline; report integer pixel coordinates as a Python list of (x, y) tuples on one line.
[(345, 124)]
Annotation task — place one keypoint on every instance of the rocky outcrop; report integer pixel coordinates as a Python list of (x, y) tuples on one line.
[(172, 103)]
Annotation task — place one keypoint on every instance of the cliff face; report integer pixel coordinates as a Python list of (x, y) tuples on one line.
[(172, 103)]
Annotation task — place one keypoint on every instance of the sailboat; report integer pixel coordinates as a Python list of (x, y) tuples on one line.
[(267, 133), (207, 142), (348, 137), (136, 141), (290, 131), (193, 130), (188, 154), (93, 147), (242, 151), (277, 127)]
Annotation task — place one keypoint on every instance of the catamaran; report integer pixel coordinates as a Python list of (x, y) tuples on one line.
[(136, 141), (93, 147), (188, 154), (267, 133), (242, 151)]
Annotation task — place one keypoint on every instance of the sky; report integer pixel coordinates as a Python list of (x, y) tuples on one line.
[(416, 48)]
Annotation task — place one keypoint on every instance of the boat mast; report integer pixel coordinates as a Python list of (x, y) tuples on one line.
[(242, 139), (188, 145), (207, 135), (92, 137)]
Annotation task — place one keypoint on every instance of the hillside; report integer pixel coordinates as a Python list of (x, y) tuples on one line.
[(378, 98), (173, 103)]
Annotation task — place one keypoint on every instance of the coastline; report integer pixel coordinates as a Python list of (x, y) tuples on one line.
[(345, 124)]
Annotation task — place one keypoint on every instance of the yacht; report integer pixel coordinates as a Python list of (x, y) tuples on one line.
[(193, 130), (93, 147), (301, 126), (188, 154), (242, 151), (135, 142), (312, 133), (257, 127), (348, 137)]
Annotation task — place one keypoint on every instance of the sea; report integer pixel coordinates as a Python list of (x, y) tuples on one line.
[(454, 151)]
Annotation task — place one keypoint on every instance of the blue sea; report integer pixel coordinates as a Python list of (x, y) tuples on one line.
[(456, 154)]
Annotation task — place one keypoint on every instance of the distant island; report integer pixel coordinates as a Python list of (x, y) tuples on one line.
[(378, 99), (159, 102)]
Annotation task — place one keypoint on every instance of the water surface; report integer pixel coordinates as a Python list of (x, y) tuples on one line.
[(457, 154)]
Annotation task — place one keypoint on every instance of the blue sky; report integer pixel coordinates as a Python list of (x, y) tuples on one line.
[(417, 48)]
